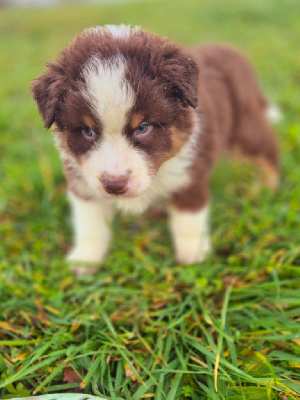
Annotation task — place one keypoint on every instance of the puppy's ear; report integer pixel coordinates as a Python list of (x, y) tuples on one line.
[(47, 91), (182, 72)]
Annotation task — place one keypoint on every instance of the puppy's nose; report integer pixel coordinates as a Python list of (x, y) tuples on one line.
[(115, 184)]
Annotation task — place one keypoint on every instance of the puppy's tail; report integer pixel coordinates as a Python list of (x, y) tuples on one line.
[(273, 113)]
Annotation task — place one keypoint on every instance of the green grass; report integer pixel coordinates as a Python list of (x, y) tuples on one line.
[(147, 327)]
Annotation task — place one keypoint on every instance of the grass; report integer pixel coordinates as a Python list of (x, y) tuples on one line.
[(147, 327)]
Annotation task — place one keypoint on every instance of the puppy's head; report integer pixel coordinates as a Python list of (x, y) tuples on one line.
[(120, 100)]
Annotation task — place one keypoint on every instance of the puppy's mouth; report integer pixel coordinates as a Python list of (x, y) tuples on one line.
[(118, 195), (121, 189)]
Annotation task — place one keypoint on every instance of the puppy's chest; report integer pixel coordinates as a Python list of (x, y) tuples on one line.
[(171, 177)]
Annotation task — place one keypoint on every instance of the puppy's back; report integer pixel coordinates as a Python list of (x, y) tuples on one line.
[(236, 71)]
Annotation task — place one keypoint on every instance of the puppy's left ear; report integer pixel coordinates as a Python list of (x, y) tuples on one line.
[(182, 72)]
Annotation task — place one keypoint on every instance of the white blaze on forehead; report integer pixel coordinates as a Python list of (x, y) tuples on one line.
[(118, 31), (108, 91), (121, 31)]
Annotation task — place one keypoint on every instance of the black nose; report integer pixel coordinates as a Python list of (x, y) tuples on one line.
[(115, 184)]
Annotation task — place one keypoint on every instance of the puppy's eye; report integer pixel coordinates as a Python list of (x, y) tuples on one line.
[(88, 132), (143, 128)]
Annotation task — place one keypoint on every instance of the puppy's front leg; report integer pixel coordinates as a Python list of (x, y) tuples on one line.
[(190, 234), (92, 234)]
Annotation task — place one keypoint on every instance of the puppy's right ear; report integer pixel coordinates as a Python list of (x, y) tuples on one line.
[(47, 91)]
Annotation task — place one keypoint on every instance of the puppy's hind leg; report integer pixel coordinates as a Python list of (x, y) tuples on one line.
[(269, 172), (91, 223), (257, 142)]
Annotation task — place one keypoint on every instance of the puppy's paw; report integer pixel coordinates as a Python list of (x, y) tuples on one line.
[(85, 258), (204, 249), (83, 269), (192, 250)]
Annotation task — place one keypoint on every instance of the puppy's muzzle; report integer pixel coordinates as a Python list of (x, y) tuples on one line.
[(115, 184)]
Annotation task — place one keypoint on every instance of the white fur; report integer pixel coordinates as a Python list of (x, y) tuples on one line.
[(109, 92), (190, 234), (92, 235), (121, 31), (274, 114), (78, 178)]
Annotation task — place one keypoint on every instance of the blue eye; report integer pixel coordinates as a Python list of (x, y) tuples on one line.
[(88, 132), (143, 128)]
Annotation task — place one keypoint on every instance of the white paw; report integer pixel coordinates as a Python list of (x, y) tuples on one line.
[(81, 270), (191, 250), (85, 258), (87, 251), (204, 249)]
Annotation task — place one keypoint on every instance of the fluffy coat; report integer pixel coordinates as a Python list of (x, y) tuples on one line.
[(137, 118)]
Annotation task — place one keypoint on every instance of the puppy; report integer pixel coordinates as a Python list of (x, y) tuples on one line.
[(136, 119)]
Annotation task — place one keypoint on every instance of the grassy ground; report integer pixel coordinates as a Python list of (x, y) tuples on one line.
[(146, 327)]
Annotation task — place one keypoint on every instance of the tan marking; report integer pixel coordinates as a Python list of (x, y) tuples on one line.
[(88, 121), (178, 140), (269, 173), (136, 120), (270, 176)]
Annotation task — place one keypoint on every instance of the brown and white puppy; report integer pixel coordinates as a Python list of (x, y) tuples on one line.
[(137, 118)]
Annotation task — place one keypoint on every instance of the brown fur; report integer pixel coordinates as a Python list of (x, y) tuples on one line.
[(167, 80), (234, 113)]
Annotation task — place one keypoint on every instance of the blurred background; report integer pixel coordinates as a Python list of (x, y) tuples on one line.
[(141, 297)]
